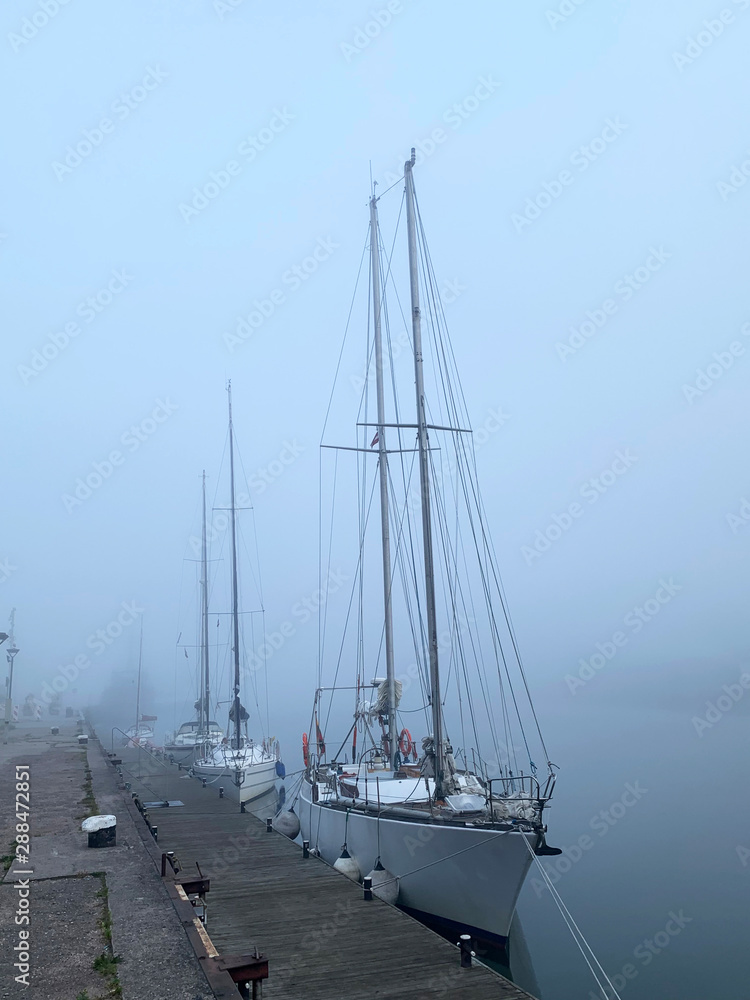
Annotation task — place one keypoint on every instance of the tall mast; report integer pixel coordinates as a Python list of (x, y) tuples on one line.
[(383, 468), (424, 479), (235, 613), (204, 695), (138, 686)]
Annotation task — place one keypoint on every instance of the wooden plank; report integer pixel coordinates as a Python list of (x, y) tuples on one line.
[(322, 939)]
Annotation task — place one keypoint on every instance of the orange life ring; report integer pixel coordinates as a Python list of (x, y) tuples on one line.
[(405, 742), (305, 750)]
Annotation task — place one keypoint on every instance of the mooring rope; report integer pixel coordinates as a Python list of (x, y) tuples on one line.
[(575, 931)]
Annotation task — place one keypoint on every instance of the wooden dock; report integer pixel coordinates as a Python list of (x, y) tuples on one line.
[(322, 939)]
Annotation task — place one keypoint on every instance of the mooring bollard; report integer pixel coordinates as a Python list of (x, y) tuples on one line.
[(466, 953), (221, 792), (204, 782), (101, 830), (367, 887), (242, 807), (305, 848), (155, 832), (269, 826)]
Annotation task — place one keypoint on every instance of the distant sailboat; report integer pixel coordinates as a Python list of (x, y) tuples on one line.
[(142, 732), (196, 734), (250, 769), (447, 835)]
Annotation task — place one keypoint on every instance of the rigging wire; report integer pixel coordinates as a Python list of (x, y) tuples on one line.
[(575, 930)]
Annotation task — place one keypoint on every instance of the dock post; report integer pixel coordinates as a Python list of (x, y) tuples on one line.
[(155, 832), (242, 807), (367, 886), (305, 848), (204, 782), (466, 953), (269, 826), (221, 792)]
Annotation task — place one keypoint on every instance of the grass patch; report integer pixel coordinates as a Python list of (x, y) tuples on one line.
[(88, 801), (83, 996), (7, 859), (106, 963)]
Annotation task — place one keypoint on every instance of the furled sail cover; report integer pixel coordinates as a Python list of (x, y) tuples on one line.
[(244, 716), (381, 704)]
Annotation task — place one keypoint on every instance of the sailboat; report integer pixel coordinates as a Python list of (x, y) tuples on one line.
[(249, 769), (193, 735), (447, 834), (142, 733)]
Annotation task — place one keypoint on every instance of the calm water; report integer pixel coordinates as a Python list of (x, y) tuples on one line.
[(673, 850)]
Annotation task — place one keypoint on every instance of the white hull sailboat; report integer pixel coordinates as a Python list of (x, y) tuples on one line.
[(201, 734), (192, 737), (245, 769), (446, 835), (461, 876), (244, 776), (142, 733), (139, 735)]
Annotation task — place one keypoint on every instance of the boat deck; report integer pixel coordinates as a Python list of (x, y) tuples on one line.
[(322, 939)]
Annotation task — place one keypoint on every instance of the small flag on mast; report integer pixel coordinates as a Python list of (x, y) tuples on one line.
[(375, 439)]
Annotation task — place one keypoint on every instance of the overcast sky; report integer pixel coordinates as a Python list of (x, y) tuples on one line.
[(172, 167)]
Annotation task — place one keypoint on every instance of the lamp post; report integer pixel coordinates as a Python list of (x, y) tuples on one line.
[(11, 655)]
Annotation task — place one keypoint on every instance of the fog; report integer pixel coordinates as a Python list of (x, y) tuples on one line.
[(581, 170)]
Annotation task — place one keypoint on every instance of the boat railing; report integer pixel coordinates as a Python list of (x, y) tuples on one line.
[(514, 786), (520, 786)]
